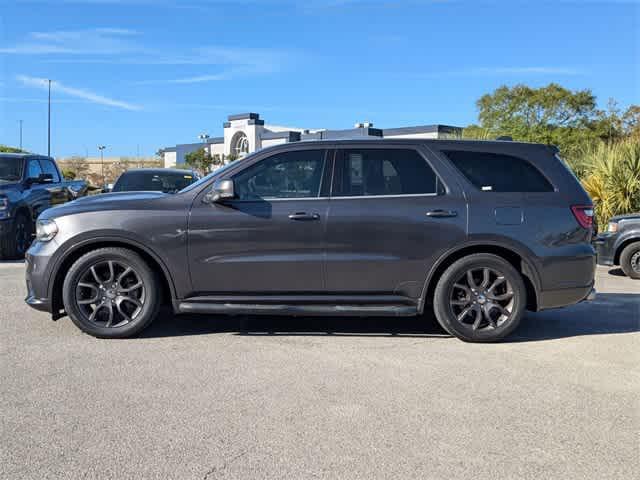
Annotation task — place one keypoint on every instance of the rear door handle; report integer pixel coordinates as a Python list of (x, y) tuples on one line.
[(442, 213), (304, 216)]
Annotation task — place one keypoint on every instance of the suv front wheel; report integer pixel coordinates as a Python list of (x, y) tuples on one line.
[(111, 293), (480, 298), (630, 260)]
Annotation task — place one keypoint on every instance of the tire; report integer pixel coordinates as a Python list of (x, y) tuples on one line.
[(630, 260), (17, 241), (111, 293), (490, 311)]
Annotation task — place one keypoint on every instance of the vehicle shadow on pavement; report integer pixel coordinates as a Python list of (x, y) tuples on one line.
[(168, 325), (610, 313)]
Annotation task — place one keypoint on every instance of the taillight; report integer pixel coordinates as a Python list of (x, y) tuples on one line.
[(584, 215)]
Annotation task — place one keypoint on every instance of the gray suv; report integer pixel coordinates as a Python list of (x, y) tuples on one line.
[(475, 231)]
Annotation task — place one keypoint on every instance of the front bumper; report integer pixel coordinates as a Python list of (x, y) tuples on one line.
[(37, 263), (605, 248)]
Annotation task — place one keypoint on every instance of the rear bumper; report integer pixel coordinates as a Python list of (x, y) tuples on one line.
[(566, 296)]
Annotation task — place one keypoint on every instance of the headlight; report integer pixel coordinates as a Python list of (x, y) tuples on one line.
[(46, 230), (612, 227), (4, 207)]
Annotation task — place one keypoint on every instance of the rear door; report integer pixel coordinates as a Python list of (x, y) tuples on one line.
[(393, 212)]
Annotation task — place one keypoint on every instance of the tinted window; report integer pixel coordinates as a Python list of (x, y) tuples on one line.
[(499, 173), (34, 169), (10, 169), (50, 168), (284, 175), (384, 172), (169, 182)]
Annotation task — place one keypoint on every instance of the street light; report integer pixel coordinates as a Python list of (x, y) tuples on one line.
[(101, 148)]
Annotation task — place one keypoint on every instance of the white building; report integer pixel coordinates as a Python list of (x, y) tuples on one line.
[(246, 132)]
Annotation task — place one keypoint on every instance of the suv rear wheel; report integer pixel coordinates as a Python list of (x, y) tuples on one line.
[(111, 293), (630, 260), (480, 298)]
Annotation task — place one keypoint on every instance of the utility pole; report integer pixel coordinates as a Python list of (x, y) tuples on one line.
[(101, 148), (20, 134), (49, 124)]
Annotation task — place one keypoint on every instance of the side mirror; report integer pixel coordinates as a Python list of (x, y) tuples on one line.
[(221, 190), (45, 178)]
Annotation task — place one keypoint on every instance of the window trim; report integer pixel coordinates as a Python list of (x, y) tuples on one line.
[(339, 157), (325, 160)]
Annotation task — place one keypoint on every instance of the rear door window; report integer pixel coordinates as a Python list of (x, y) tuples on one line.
[(383, 171), (493, 172)]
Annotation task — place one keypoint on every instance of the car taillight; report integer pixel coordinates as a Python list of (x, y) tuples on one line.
[(583, 214)]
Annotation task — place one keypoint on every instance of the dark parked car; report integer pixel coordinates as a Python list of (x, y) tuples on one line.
[(167, 180), (29, 184), (476, 231), (620, 244)]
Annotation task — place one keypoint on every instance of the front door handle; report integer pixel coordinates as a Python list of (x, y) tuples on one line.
[(304, 216), (442, 213)]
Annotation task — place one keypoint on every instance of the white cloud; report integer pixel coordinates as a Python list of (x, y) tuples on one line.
[(87, 95), (92, 41)]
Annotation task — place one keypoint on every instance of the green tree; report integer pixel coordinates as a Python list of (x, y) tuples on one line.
[(77, 165), (551, 114), (68, 174), (8, 149), (200, 160)]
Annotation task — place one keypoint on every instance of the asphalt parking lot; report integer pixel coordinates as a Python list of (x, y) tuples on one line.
[(248, 397)]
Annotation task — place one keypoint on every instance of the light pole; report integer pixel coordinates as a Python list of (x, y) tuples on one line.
[(101, 148), (49, 123), (20, 134)]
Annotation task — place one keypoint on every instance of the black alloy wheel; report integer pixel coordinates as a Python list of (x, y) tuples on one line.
[(111, 293), (480, 298)]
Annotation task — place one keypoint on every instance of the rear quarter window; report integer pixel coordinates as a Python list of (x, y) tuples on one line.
[(494, 172)]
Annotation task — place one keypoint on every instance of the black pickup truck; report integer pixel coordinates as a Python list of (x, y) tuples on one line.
[(29, 184), (620, 244)]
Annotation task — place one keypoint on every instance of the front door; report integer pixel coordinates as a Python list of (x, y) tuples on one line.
[(270, 238), (390, 217)]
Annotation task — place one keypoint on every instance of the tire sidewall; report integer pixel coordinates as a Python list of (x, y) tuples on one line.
[(150, 306), (444, 288), (625, 260)]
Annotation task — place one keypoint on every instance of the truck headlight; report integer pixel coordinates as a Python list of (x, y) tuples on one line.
[(46, 230), (4, 207), (612, 227)]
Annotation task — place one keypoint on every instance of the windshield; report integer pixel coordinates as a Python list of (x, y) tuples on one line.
[(169, 182), (206, 178), (10, 169)]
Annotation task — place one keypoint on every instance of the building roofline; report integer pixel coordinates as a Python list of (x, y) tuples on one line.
[(244, 116), (437, 128), (290, 135)]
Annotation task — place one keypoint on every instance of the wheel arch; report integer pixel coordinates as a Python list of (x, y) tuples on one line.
[(623, 244), (513, 255), (70, 256)]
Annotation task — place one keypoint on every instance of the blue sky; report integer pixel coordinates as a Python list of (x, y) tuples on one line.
[(151, 73)]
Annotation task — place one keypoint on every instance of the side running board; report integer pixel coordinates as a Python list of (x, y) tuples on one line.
[(388, 310)]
